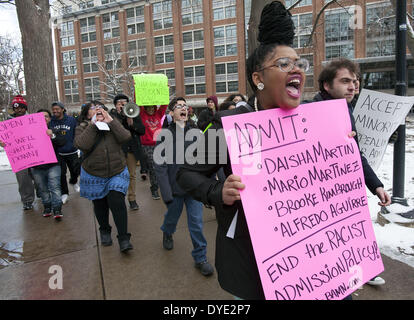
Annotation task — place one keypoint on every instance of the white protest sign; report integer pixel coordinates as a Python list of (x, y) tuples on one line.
[(377, 115)]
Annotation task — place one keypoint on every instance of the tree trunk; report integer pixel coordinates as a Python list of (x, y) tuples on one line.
[(39, 73)]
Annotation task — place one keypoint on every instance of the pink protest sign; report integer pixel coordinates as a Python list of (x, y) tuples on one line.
[(27, 144), (305, 200)]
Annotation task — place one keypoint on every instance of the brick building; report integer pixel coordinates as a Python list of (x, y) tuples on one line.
[(201, 44)]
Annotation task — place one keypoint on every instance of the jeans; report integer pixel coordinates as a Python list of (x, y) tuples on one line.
[(48, 183), (194, 221)]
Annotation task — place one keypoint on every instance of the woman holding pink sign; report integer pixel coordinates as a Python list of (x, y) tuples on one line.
[(277, 76)]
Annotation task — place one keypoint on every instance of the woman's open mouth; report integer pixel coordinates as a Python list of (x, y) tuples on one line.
[(293, 86)]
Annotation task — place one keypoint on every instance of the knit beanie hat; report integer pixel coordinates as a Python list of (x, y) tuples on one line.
[(19, 101)]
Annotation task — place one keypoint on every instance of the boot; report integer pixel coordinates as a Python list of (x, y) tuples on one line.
[(106, 239), (124, 244)]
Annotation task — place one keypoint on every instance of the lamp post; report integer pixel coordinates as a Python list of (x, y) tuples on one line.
[(400, 90)]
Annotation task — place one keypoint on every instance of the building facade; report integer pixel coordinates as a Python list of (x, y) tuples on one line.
[(198, 44), (201, 45)]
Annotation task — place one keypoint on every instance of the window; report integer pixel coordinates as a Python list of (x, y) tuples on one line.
[(303, 29), (90, 59), (338, 35), (232, 67), (192, 12), (92, 89), (379, 80), (227, 77), (221, 68), (380, 39), (162, 14), (188, 55), (113, 56), (86, 4), (199, 53), (71, 91), (111, 25), (303, 3), (194, 79), (222, 10), (225, 41), (221, 87)]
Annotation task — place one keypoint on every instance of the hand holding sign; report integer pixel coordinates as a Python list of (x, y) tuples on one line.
[(311, 229), (26, 141), (231, 188)]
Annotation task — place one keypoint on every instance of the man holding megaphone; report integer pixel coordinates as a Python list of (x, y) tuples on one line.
[(130, 119)]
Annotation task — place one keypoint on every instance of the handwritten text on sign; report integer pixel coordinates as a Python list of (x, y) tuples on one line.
[(377, 115), (311, 229), (151, 89), (27, 144)]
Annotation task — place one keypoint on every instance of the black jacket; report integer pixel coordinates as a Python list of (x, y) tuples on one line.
[(371, 180), (235, 261), (133, 145), (166, 172), (206, 116)]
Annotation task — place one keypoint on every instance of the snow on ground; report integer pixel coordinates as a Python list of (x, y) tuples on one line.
[(394, 240)]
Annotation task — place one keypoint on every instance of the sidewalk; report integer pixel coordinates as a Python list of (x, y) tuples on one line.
[(31, 244)]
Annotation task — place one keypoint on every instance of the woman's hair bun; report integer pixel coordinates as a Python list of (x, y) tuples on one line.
[(276, 25)]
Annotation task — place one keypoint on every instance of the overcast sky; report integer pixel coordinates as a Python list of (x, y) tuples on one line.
[(8, 21)]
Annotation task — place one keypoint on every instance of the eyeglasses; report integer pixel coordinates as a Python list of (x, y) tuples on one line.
[(287, 64), (180, 106), (96, 107)]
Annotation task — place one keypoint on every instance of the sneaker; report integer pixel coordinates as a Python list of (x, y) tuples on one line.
[(76, 187), (47, 212), (167, 241), (27, 206), (64, 198), (133, 205), (205, 268), (376, 281), (57, 214), (155, 195)]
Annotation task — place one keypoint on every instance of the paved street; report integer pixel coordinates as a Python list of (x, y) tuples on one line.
[(31, 244)]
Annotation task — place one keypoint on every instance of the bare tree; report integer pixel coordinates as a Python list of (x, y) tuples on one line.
[(118, 75), (11, 70)]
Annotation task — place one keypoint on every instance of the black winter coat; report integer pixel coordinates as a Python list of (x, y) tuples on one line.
[(133, 145), (166, 172), (235, 261), (206, 116)]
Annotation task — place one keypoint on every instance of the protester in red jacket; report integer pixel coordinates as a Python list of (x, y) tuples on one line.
[(152, 117)]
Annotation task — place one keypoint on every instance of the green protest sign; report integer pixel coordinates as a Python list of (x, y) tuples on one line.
[(151, 89)]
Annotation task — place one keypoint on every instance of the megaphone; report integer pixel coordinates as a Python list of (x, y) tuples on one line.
[(131, 110)]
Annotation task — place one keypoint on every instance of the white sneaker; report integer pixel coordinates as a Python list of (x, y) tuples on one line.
[(64, 198), (76, 187), (377, 281)]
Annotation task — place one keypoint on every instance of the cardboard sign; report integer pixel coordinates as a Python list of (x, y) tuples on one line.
[(27, 143), (377, 115), (151, 89), (305, 200)]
